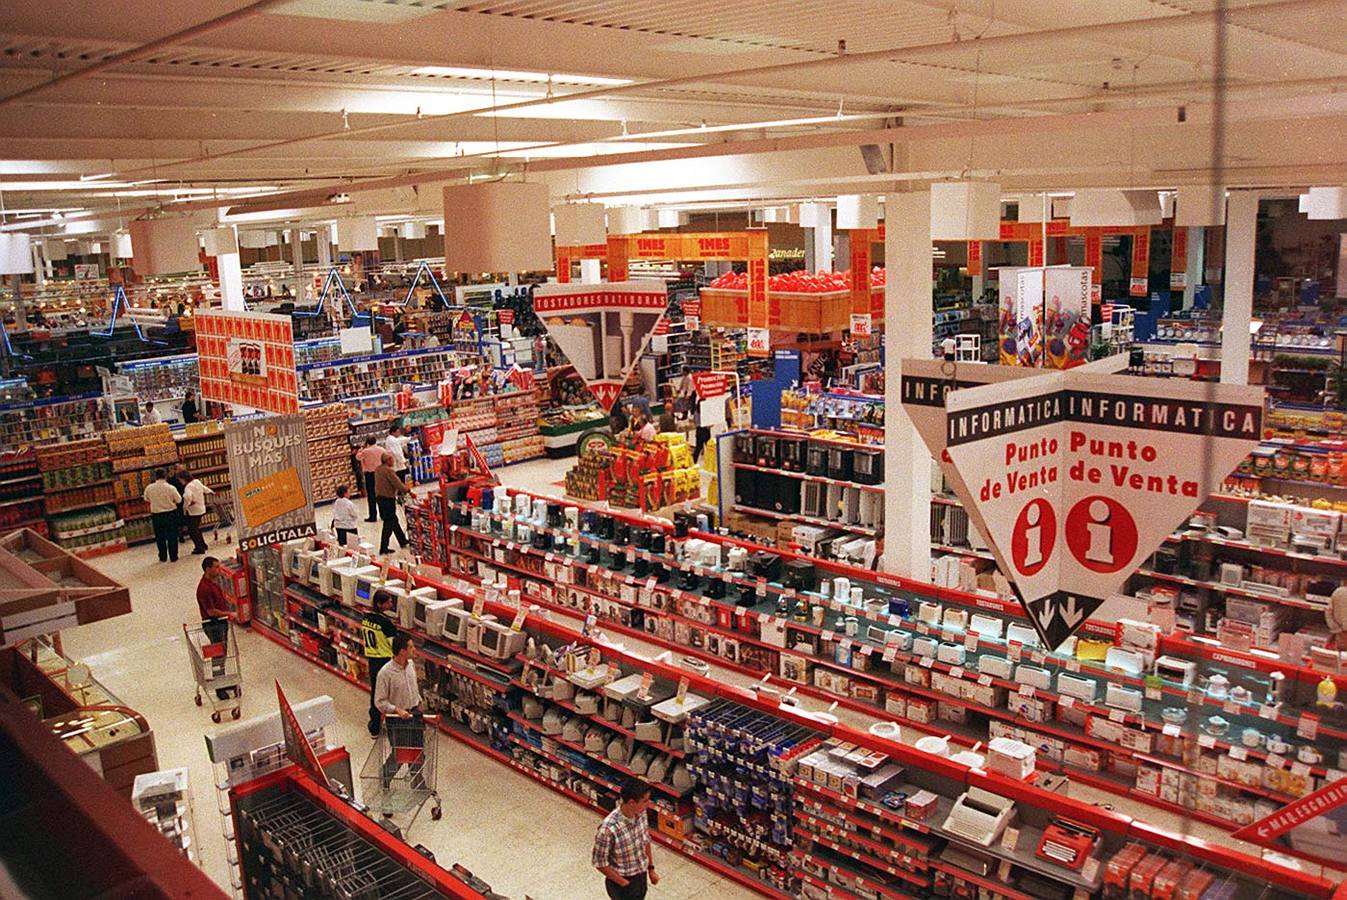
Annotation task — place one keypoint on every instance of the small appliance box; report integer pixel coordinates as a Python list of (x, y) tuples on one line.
[(1269, 523), (1318, 526)]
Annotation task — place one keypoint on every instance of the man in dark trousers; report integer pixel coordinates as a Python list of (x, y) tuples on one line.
[(622, 845), (388, 487), (378, 632), (213, 605), (164, 501)]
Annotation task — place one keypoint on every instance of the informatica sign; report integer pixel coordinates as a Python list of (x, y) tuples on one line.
[(269, 470), (248, 359), (1074, 478)]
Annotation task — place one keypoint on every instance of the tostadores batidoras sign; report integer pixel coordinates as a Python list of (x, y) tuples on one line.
[(1075, 478)]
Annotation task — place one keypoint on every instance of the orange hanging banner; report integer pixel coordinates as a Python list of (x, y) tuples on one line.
[(563, 266), (1035, 251), (1138, 286), (1178, 262), (1094, 259), (974, 258), (860, 272), (617, 259), (759, 314)]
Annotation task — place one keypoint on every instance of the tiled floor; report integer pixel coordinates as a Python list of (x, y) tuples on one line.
[(520, 836)]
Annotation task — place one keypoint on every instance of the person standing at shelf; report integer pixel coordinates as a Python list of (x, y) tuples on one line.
[(345, 517), (396, 444), (150, 416), (622, 845), (369, 457), (378, 632), (194, 509), (163, 499), (190, 413), (388, 487)]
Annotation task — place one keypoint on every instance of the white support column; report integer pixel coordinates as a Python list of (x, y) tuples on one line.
[(323, 236), (297, 260), (591, 271), (1241, 227), (908, 332), (1197, 252), (823, 242)]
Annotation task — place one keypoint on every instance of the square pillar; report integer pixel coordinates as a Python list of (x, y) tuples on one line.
[(1241, 232), (908, 332)]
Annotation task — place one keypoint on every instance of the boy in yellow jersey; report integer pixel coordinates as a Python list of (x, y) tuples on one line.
[(378, 631)]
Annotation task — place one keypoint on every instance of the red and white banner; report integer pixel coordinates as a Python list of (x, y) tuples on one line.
[(1178, 260), (603, 329), (709, 385), (248, 359), (1139, 284), (1314, 825), (974, 258), (505, 316), (1075, 478), (297, 747)]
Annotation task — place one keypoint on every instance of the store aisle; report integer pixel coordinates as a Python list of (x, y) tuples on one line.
[(518, 835)]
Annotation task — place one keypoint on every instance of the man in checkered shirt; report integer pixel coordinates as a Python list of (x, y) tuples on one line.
[(622, 845)]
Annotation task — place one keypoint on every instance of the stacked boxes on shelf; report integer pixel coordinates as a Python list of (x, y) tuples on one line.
[(77, 479), (330, 381), (649, 475), (327, 431), (169, 378), (21, 491), (136, 453), (517, 412), (202, 452)]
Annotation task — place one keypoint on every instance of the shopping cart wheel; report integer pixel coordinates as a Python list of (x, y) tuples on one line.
[(435, 813), (198, 699), (235, 714), (215, 717)]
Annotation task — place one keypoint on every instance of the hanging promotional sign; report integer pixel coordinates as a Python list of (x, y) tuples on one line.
[(1035, 251), (297, 747), (247, 359), (1066, 320), (1313, 825), (710, 385), (269, 470), (1021, 321), (860, 276), (1074, 478), (603, 329), (1178, 260), (860, 325), (974, 259), (1138, 285), (759, 342)]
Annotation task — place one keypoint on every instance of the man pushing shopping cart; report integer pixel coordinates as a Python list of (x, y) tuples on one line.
[(399, 775)]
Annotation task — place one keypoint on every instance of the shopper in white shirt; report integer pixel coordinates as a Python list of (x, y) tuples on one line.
[(398, 697), (194, 509), (163, 499), (396, 444), (345, 517), (151, 415)]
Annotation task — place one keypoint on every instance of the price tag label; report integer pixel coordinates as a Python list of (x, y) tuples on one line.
[(1276, 761), (1010, 839), (895, 621), (956, 672), (1172, 730), (1195, 696), (1267, 712), (923, 628), (1229, 708), (762, 587), (682, 694), (1027, 690), (845, 646), (1073, 664), (970, 642), (478, 603), (550, 558), (829, 636), (1037, 657), (866, 650), (1154, 693), (1066, 701), (650, 584), (1301, 769), (518, 623), (1239, 753), (647, 679), (1308, 727), (1206, 741), (726, 577), (890, 652), (985, 680), (1117, 715), (1015, 650), (927, 662)]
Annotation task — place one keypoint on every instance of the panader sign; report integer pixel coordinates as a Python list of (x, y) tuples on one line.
[(603, 329), (1074, 478), (269, 469)]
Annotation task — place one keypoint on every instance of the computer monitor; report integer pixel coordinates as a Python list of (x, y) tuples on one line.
[(290, 551), (429, 612), (366, 586), (349, 579), (407, 602), (499, 641), (475, 629), (310, 562), (327, 581), (455, 625)]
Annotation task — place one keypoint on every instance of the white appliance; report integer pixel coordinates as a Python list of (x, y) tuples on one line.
[(1021, 634), (1034, 676), (499, 641), (346, 582), (407, 602), (429, 612), (1077, 686), (327, 580), (980, 816), (985, 626), (367, 584)]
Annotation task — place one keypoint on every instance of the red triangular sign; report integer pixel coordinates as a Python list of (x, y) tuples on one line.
[(606, 392)]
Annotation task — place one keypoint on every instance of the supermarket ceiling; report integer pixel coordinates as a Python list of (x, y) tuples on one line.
[(133, 104)]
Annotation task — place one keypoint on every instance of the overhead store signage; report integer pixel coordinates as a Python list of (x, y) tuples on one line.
[(603, 329), (1178, 260), (269, 470), (248, 359), (1138, 284), (710, 385), (1074, 478), (1311, 824)]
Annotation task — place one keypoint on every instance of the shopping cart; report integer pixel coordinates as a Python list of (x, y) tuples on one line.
[(224, 516), (214, 653), (399, 774)]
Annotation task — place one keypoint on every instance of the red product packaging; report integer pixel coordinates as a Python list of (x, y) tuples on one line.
[(1166, 886), (1196, 885), (1119, 869), (1143, 876)]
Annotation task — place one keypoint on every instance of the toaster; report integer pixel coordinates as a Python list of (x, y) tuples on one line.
[(928, 612), (1077, 686), (986, 626), (1034, 676), (1123, 698), (924, 646), (995, 666), (956, 619), (953, 654)]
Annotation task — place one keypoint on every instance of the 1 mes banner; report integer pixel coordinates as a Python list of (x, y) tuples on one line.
[(1074, 478), (269, 470)]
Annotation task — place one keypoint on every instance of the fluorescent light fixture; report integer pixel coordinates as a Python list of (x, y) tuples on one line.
[(98, 177), (516, 75), (750, 126)]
